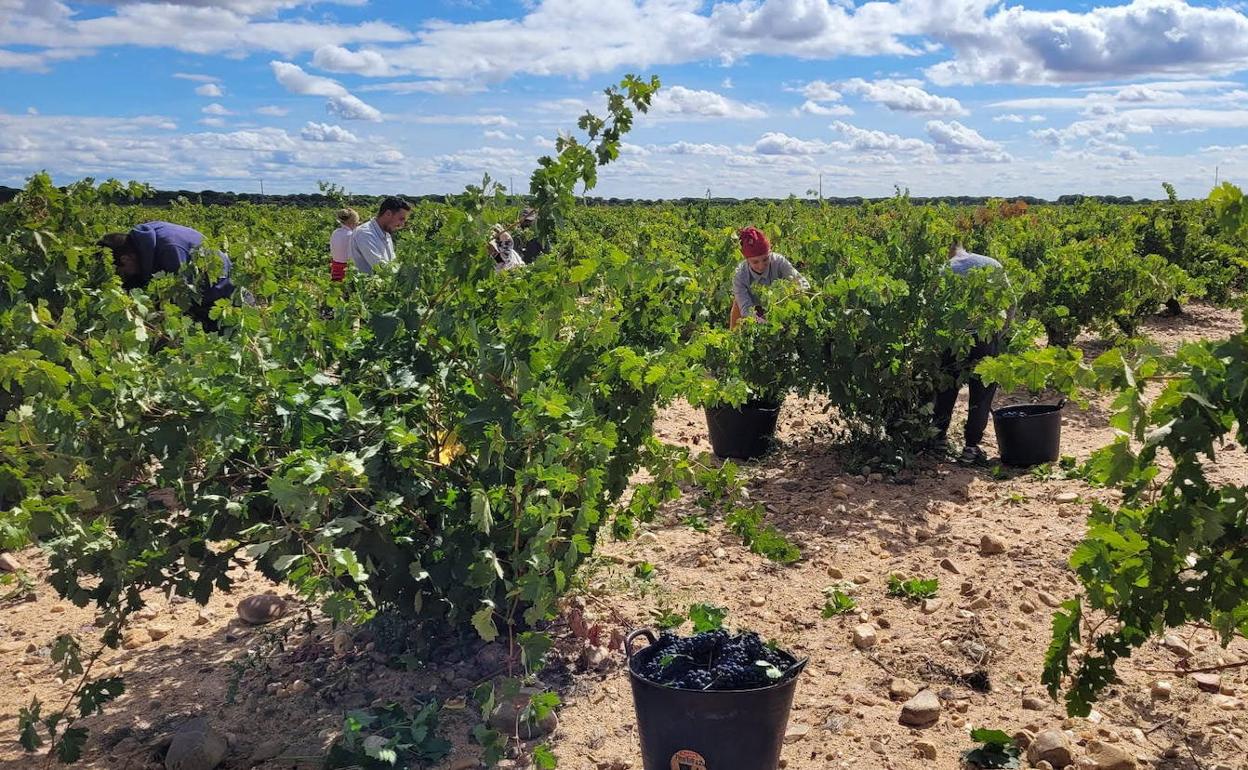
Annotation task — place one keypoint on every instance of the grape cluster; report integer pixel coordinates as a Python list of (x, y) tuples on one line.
[(713, 660)]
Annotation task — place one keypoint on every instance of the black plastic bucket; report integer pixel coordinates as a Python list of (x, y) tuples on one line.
[(743, 432), (1029, 434), (711, 729)]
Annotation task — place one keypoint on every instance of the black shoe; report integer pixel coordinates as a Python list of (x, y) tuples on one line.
[(973, 455)]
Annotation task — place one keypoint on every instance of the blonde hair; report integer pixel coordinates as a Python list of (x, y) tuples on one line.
[(348, 216)]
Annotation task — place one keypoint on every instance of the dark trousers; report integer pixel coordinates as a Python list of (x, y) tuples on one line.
[(981, 395)]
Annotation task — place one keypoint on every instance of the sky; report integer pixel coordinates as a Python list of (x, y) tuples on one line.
[(759, 98)]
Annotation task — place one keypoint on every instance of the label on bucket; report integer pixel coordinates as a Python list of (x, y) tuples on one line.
[(688, 760)]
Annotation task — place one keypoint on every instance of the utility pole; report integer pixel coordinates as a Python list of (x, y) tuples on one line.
[(262, 187), (1215, 176), (821, 188)]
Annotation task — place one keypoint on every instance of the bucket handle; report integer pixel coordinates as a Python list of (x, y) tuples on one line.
[(628, 641)]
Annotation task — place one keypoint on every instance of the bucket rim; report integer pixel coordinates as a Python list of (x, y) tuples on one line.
[(754, 406), (1034, 410), (797, 668)]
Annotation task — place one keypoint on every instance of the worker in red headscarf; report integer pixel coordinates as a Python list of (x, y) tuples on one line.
[(759, 265)]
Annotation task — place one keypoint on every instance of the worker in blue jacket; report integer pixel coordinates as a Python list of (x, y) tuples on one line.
[(163, 247)]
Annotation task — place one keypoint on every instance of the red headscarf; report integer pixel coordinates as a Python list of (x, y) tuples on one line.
[(753, 242)]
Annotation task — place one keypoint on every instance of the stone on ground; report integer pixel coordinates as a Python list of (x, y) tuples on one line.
[(1032, 703), (991, 545), (921, 710), (1107, 756), (1052, 746), (196, 746), (1174, 643), (1207, 682), (864, 636), (9, 563), (902, 689), (261, 608)]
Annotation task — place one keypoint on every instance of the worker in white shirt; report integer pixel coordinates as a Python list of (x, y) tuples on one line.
[(371, 244), (340, 243)]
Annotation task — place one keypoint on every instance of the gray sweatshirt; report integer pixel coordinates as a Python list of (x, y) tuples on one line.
[(745, 279)]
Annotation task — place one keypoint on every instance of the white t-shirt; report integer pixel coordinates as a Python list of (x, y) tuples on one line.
[(340, 245), (370, 246)]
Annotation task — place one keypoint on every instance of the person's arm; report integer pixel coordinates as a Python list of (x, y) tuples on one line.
[(741, 291), (787, 271)]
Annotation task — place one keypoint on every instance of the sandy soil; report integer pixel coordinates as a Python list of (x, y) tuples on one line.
[(279, 691)]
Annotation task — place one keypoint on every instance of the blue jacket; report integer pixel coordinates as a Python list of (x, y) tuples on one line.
[(164, 247)]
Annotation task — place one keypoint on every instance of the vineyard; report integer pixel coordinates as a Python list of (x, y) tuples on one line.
[(468, 485)]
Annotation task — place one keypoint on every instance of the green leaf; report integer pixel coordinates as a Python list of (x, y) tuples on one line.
[(28, 719), (481, 514), (991, 737), (69, 746), (349, 564), (94, 695), (838, 603), (544, 758), (483, 622), (707, 617), (1065, 635)]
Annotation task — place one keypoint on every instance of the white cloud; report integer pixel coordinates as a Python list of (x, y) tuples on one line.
[(273, 111), (812, 107), (867, 140), (775, 143), (901, 96), (324, 132), (953, 138), (1010, 118), (341, 102), (693, 148), (1144, 37), (426, 87), (197, 78), (335, 58), (212, 122), (678, 102), (215, 109), (459, 120), (350, 107), (235, 27), (819, 91), (210, 90)]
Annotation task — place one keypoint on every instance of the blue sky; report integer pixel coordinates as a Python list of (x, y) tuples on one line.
[(760, 97)]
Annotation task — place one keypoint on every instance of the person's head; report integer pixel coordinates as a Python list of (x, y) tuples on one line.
[(125, 257), (955, 246), (501, 236), (528, 218), (755, 248), (392, 214), (348, 218)]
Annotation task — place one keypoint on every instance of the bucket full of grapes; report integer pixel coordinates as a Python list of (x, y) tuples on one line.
[(712, 701)]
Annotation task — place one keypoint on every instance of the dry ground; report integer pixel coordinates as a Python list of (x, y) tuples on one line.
[(852, 531)]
